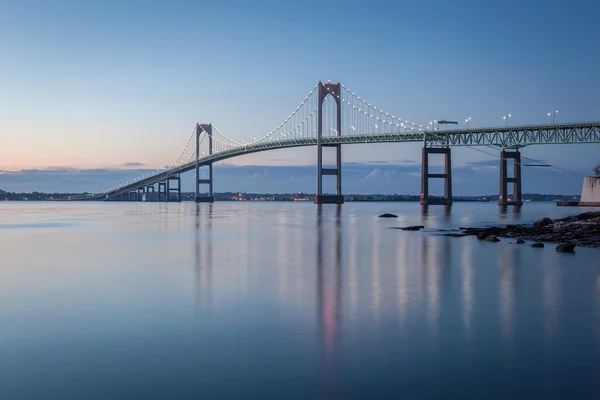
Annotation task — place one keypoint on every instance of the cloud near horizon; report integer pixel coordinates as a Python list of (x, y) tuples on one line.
[(133, 164)]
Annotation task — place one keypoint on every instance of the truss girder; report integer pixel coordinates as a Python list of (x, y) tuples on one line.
[(505, 137)]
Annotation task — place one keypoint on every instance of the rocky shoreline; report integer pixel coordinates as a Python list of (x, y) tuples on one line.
[(579, 230)]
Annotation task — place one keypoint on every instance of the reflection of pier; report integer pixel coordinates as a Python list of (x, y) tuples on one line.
[(509, 264), (551, 303), (329, 280), (437, 269), (203, 255), (467, 283)]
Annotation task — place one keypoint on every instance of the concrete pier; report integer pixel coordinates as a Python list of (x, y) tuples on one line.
[(446, 176), (504, 198)]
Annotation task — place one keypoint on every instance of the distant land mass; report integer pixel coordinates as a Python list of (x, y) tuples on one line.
[(238, 196)]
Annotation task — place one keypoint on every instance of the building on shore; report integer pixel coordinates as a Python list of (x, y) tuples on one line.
[(590, 192)]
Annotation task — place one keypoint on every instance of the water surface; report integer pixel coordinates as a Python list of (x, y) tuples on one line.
[(289, 300)]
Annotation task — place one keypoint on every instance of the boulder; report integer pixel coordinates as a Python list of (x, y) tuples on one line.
[(483, 234), (540, 223), (387, 215), (492, 238), (566, 248), (520, 241), (538, 245)]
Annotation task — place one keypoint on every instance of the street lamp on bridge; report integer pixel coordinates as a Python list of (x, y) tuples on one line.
[(552, 116), (468, 121), (506, 117)]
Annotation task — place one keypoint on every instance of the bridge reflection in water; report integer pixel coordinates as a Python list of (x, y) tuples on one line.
[(382, 295), (268, 299)]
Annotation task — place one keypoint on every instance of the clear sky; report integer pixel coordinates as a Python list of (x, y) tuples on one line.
[(105, 84)]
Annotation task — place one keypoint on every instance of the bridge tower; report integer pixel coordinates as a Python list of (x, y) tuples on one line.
[(162, 191), (504, 199), (171, 189), (198, 198), (325, 89), (446, 176)]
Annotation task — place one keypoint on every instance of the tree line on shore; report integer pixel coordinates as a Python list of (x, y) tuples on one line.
[(233, 196)]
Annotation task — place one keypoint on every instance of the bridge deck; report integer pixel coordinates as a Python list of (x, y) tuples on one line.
[(504, 137)]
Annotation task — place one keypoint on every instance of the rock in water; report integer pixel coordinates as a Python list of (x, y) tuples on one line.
[(492, 238), (483, 234), (538, 245), (566, 248), (520, 241), (387, 215), (540, 223), (413, 228)]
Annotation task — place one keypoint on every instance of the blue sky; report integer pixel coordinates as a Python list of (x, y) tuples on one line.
[(97, 85)]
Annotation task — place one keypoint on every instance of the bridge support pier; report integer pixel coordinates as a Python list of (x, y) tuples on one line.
[(149, 189), (334, 90), (198, 198), (446, 176), (141, 194), (173, 192), (162, 191), (504, 198)]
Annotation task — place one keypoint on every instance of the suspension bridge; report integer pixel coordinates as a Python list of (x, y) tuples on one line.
[(331, 116)]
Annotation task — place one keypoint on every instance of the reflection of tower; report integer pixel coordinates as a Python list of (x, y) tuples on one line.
[(447, 213), (284, 251), (203, 228), (514, 215), (352, 263), (467, 278), (507, 279), (551, 302), (431, 281), (329, 283), (375, 271), (402, 257)]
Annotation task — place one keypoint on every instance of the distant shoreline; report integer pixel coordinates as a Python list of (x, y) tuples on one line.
[(238, 196)]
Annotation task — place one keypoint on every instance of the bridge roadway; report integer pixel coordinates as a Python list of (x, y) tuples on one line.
[(511, 137)]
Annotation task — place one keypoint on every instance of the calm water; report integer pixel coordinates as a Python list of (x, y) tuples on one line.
[(287, 300)]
